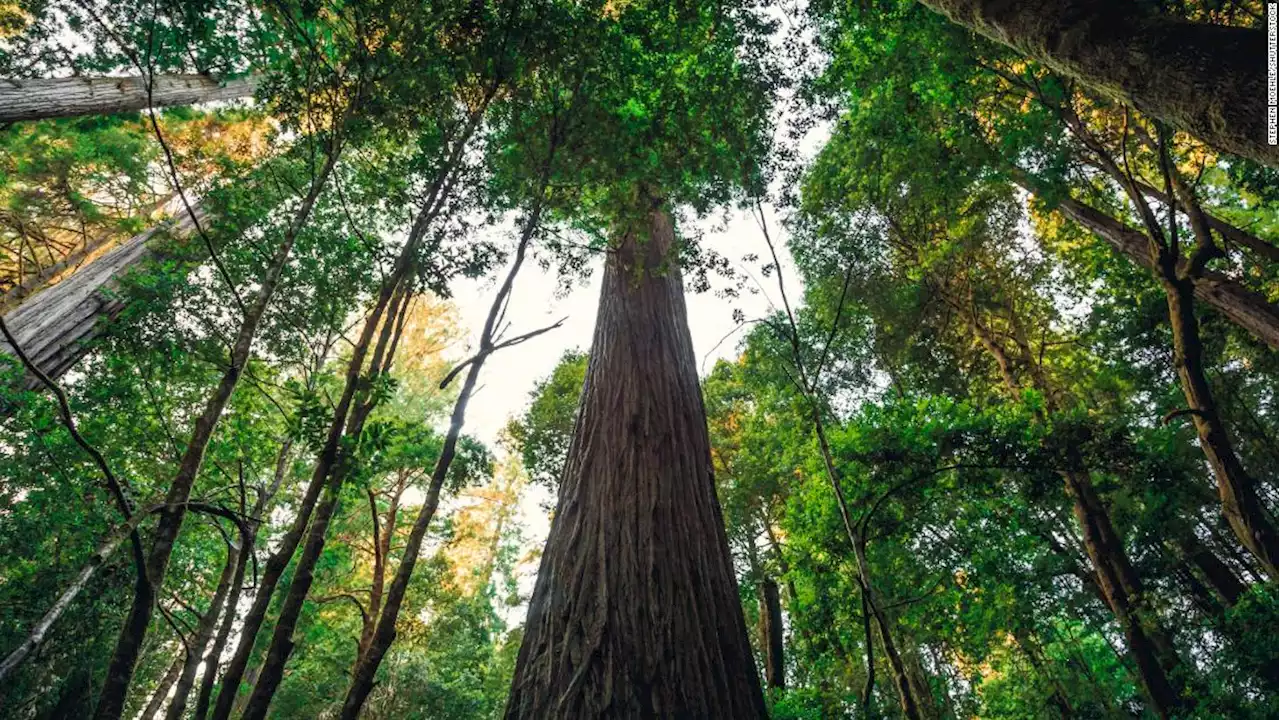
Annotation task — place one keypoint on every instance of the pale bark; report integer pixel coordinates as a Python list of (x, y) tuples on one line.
[(55, 326), (1208, 80), (43, 98), (635, 613)]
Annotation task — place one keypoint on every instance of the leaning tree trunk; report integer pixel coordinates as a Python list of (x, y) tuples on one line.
[(1248, 310), (636, 613), (128, 646), (1243, 508), (43, 98), (55, 326), (1208, 80)]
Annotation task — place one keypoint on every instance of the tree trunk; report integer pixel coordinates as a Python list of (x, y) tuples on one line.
[(330, 471), (51, 616), (775, 669), (161, 693), (120, 671), (873, 604), (249, 539), (1243, 509), (375, 649), (43, 98), (203, 634), (1245, 308), (55, 325), (1220, 577), (1120, 586), (1209, 80), (1150, 647), (635, 613), (436, 197)]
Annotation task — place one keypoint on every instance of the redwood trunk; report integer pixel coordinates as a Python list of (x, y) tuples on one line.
[(1209, 80), (43, 98), (635, 613)]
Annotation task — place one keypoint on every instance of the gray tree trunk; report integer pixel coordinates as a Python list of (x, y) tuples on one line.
[(55, 325), (44, 98)]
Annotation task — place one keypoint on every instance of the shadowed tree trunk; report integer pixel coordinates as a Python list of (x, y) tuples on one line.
[(125, 657), (775, 669), (1209, 80), (41, 98), (635, 613)]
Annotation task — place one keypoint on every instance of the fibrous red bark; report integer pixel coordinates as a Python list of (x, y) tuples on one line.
[(636, 613)]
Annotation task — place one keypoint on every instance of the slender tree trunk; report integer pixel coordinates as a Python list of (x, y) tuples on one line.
[(434, 204), (1149, 645), (46, 622), (204, 633), (1121, 588), (635, 613), (120, 671), (1243, 509), (1251, 311), (1209, 80), (906, 697), (161, 693), (1035, 657), (41, 98), (384, 632), (252, 525), (775, 668), (332, 468)]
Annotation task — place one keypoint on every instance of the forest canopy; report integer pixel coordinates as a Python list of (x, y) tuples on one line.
[(933, 372)]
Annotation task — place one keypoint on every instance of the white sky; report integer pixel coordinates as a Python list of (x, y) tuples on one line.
[(510, 375)]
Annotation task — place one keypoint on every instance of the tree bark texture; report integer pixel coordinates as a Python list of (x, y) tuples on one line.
[(635, 613), (55, 326), (44, 98), (1208, 80)]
